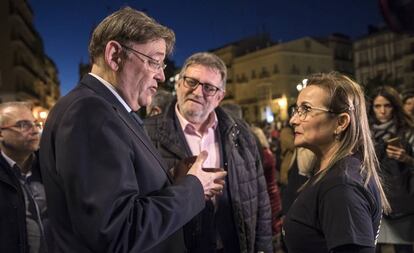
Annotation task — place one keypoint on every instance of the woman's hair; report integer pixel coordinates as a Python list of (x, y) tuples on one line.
[(347, 96), (399, 117), (258, 132)]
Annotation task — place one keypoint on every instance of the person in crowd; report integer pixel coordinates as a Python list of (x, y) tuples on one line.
[(339, 209), (269, 168), (108, 189), (394, 136), (159, 103), (301, 168), (408, 101), (22, 197), (287, 149), (238, 220)]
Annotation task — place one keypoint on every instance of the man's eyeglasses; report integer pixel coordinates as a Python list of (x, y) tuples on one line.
[(152, 63), (208, 89), (24, 125), (303, 110)]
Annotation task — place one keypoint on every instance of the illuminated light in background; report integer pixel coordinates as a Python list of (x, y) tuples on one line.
[(302, 84), (43, 115), (269, 115), (282, 102)]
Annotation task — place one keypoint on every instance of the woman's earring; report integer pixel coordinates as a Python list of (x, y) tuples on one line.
[(336, 135)]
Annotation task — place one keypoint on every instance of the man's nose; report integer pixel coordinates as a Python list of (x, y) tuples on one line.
[(198, 90), (160, 76)]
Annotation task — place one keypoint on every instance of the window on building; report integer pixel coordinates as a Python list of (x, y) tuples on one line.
[(399, 72), (380, 54), (264, 73), (295, 70), (275, 69), (309, 70), (244, 78), (308, 45), (253, 74), (363, 59), (381, 73)]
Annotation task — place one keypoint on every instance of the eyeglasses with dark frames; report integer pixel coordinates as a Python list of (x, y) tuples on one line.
[(24, 125), (152, 63), (192, 83), (303, 110)]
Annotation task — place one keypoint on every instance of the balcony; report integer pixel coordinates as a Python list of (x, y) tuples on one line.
[(363, 63), (380, 60)]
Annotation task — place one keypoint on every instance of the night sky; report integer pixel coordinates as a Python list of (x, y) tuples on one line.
[(65, 26)]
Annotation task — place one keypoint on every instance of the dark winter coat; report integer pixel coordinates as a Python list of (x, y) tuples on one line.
[(13, 232), (249, 198)]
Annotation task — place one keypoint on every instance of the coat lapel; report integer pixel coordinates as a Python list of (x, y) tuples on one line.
[(120, 110), (176, 142), (6, 174)]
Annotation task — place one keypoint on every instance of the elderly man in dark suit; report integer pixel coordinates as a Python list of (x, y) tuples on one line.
[(107, 187)]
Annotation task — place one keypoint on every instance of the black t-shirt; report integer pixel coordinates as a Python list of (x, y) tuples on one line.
[(335, 211)]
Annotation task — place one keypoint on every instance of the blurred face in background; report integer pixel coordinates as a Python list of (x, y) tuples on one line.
[(382, 109), (20, 132), (409, 106)]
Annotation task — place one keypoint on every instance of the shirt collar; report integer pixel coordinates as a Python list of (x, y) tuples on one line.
[(8, 159), (11, 162), (112, 89), (188, 126)]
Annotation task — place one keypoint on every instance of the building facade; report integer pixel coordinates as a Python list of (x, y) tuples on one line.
[(265, 81), (385, 56), (26, 73)]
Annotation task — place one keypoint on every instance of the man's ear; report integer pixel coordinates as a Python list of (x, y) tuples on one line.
[(220, 96), (155, 111), (177, 84), (343, 122), (113, 57)]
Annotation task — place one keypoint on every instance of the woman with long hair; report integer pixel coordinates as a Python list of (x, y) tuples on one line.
[(394, 137), (339, 209)]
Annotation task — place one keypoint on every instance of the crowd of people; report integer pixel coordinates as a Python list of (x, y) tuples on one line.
[(193, 176)]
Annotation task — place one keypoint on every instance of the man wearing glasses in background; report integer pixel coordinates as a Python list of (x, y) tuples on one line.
[(239, 219), (22, 196), (108, 189)]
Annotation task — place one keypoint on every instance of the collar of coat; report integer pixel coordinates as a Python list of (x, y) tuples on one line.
[(228, 126)]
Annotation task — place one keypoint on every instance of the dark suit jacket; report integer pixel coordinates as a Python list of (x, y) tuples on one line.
[(13, 233), (107, 188), (13, 225)]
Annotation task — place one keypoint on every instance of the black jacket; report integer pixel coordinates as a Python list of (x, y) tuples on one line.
[(245, 180), (13, 233), (106, 185)]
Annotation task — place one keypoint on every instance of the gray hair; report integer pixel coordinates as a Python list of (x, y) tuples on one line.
[(124, 26), (209, 60), (15, 104), (161, 100)]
